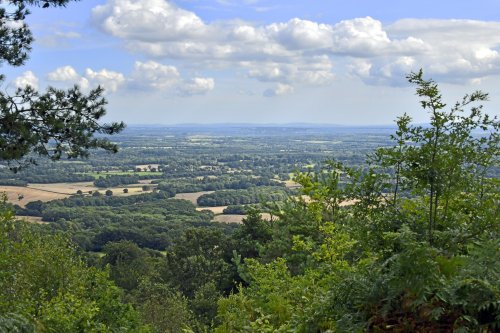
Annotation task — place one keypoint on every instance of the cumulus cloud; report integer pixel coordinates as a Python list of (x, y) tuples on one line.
[(149, 75), (317, 71), (450, 50), (28, 78), (298, 34), (197, 86), (148, 20), (154, 75), (65, 73), (460, 51), (107, 79), (260, 49)]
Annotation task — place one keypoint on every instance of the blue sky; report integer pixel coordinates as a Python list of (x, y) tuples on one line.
[(264, 61)]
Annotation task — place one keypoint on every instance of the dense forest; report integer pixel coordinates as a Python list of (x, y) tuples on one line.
[(406, 241)]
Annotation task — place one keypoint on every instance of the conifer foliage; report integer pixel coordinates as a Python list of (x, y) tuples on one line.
[(55, 123)]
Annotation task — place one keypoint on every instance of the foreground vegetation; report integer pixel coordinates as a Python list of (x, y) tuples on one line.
[(418, 252), (417, 249)]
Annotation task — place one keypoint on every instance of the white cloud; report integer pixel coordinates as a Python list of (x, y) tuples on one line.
[(279, 90), (272, 72), (457, 51), (449, 50), (365, 37), (384, 73), (28, 78), (197, 86), (68, 76), (299, 34), (65, 73), (109, 80), (145, 76), (154, 75), (220, 44), (148, 20), (317, 72)]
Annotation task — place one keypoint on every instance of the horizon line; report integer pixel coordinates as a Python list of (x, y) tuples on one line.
[(249, 124)]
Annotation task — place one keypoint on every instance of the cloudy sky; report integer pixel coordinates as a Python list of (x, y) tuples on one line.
[(265, 61)]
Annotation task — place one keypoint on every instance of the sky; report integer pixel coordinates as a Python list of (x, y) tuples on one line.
[(264, 61)]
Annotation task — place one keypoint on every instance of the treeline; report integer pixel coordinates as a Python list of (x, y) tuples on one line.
[(239, 209), (116, 180), (241, 197), (13, 182), (46, 176), (213, 183), (247, 209)]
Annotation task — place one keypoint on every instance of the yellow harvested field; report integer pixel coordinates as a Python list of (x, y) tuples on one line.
[(22, 195), (132, 190), (215, 210), (46, 192), (191, 196), (228, 218), (234, 218), (64, 188)]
